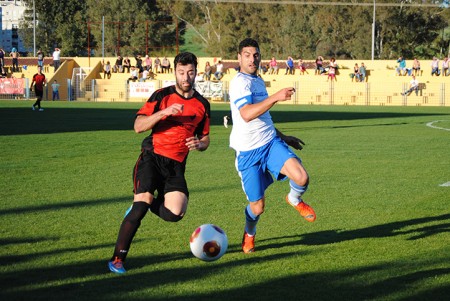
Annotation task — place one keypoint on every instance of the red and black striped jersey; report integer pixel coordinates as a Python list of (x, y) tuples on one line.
[(168, 136), (39, 81)]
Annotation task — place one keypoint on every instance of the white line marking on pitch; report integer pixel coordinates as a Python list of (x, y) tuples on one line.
[(430, 124)]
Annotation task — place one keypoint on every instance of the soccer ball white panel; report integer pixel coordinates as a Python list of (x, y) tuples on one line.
[(208, 242)]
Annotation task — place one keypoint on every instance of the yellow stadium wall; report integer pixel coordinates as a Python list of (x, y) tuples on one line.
[(382, 87)]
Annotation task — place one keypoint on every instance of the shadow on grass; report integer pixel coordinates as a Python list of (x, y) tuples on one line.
[(64, 205), (17, 121), (378, 231), (92, 281), (385, 230)]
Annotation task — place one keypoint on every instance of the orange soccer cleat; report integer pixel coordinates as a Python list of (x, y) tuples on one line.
[(306, 211), (248, 243)]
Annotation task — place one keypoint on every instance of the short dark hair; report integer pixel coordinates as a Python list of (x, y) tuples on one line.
[(185, 58), (248, 42)]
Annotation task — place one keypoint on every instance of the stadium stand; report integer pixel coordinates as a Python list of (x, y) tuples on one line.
[(81, 79)]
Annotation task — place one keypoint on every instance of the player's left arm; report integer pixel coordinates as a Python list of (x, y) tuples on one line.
[(291, 140), (196, 143)]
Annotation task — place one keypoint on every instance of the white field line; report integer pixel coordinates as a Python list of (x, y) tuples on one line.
[(430, 124)]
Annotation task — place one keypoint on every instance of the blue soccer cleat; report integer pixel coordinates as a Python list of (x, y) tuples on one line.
[(116, 266)]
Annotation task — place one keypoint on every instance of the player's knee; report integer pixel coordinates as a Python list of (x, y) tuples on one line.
[(169, 216), (301, 178), (258, 211), (257, 208)]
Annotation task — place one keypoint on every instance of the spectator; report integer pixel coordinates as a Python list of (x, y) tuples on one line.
[(151, 75), (219, 71), (416, 67), (126, 65), (273, 66), (362, 73), (199, 77), (157, 65), (319, 66), (56, 59), (332, 70), (208, 70), (445, 71), (435, 67), (40, 58), (401, 69), (225, 121), (413, 86), (118, 65), (148, 63), (263, 68), (134, 74), (289, 66), (144, 75), (355, 75), (302, 67), (15, 60), (165, 65), (106, 69), (139, 63), (55, 89), (2, 62)]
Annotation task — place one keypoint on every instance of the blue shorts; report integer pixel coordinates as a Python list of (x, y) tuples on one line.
[(257, 166)]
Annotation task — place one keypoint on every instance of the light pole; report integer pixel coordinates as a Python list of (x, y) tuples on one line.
[(34, 28), (373, 31)]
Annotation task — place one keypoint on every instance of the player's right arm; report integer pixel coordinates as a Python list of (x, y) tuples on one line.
[(144, 123), (32, 83), (252, 111)]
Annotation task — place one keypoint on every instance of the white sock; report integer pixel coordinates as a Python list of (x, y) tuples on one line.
[(294, 198), (296, 192)]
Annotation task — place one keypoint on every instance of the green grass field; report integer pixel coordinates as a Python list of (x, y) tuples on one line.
[(382, 231)]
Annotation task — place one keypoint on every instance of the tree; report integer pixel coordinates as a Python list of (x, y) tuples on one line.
[(59, 24), (131, 26), (294, 29)]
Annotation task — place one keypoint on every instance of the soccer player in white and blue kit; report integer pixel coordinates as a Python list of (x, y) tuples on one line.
[(261, 150)]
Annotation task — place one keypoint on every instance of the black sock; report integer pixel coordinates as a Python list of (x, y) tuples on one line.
[(156, 204), (128, 229), (157, 207)]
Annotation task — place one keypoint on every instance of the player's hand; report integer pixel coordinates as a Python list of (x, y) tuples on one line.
[(193, 143), (285, 94), (294, 142), (176, 108)]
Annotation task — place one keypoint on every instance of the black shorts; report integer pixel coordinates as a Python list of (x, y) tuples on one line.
[(153, 172), (39, 93)]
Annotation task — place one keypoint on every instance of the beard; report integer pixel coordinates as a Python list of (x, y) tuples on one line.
[(184, 88)]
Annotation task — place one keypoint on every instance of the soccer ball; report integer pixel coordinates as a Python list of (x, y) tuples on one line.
[(208, 242)]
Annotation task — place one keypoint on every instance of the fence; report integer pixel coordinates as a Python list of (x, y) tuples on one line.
[(312, 93)]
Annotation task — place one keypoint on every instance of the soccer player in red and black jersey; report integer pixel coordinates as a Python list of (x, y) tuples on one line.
[(179, 119), (38, 82)]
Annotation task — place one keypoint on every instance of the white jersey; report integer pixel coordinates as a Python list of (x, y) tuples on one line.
[(245, 136)]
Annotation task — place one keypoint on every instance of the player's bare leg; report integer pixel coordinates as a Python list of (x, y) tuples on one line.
[(298, 183)]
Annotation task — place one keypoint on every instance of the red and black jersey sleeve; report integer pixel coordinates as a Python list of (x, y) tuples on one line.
[(168, 136)]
